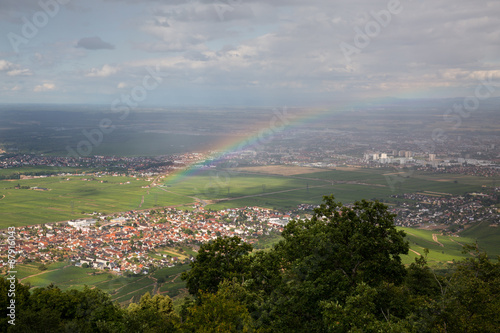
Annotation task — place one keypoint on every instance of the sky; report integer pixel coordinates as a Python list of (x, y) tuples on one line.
[(245, 52)]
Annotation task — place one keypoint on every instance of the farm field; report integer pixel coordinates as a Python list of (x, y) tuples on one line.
[(65, 276), (121, 288), (135, 288), (442, 249), (67, 198), (284, 188), (487, 237)]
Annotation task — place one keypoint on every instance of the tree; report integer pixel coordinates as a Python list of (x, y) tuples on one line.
[(470, 300), (52, 310), (223, 311), (359, 243), (223, 258), (21, 298), (324, 259), (151, 314), (358, 314)]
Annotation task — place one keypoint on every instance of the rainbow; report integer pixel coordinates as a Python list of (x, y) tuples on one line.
[(280, 122)]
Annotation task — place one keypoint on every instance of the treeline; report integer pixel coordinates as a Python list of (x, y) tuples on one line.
[(339, 271)]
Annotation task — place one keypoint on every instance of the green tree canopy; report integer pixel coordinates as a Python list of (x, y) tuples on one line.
[(324, 259), (222, 259)]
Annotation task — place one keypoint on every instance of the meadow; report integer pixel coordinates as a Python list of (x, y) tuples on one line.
[(121, 288), (264, 187), (486, 235), (68, 198)]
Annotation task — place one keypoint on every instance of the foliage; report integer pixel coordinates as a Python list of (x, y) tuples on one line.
[(323, 259), (51, 310), (223, 258), (21, 298), (151, 314), (222, 311), (470, 299)]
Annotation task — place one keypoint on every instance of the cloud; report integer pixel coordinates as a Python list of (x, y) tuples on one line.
[(45, 87), (94, 43), (13, 69), (105, 71), (19, 72), (5, 65)]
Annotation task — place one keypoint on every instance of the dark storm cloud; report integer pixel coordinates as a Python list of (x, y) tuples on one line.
[(94, 43)]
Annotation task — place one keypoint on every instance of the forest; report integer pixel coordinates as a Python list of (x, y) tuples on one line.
[(339, 271)]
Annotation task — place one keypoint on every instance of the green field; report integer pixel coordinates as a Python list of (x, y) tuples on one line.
[(488, 237), (439, 255), (68, 199), (121, 288), (63, 275), (230, 189)]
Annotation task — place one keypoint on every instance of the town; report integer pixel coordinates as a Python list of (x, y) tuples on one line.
[(128, 242)]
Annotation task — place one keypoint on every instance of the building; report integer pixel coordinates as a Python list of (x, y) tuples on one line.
[(81, 223)]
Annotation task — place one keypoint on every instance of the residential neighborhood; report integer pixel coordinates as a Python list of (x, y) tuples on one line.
[(133, 241)]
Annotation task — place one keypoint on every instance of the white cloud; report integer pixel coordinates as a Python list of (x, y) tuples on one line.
[(5, 65), (13, 69), (45, 87), (105, 71), (19, 72)]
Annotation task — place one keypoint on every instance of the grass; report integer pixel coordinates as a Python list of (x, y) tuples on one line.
[(267, 242), (137, 287), (170, 272), (420, 239), (486, 235), (174, 284), (67, 199), (66, 278), (229, 189), (173, 288)]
